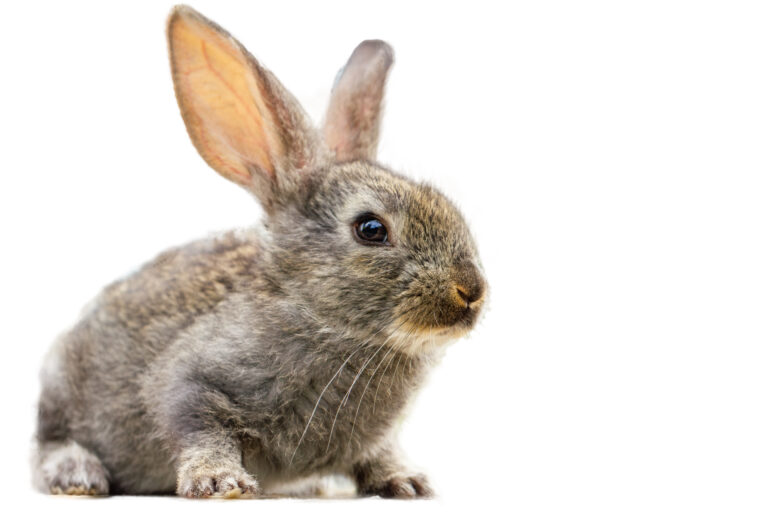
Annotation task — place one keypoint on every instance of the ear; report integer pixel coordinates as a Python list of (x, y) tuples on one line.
[(240, 118), (351, 126)]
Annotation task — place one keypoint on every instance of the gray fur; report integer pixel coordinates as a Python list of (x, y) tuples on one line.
[(233, 365)]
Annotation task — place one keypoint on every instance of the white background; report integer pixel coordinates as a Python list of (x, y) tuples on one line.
[(610, 156)]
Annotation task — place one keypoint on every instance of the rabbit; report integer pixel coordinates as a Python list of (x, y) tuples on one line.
[(240, 363)]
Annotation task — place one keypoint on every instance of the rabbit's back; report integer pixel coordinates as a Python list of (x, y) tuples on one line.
[(178, 286)]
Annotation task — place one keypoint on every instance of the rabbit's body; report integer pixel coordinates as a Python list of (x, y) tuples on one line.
[(149, 335), (256, 358)]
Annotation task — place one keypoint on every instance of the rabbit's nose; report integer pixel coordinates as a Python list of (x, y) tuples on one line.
[(469, 286), (469, 295)]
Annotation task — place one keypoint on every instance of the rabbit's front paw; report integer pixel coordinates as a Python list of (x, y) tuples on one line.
[(205, 482), (400, 486)]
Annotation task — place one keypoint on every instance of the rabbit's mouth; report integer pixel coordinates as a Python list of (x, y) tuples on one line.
[(427, 330)]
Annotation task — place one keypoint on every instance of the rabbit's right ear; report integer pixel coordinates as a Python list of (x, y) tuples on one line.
[(239, 117), (351, 128)]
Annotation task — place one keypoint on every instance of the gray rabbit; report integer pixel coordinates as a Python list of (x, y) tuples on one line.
[(232, 365)]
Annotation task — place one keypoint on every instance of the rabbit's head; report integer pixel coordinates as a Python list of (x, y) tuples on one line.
[(355, 245)]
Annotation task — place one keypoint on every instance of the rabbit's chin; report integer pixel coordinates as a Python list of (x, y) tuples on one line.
[(416, 340)]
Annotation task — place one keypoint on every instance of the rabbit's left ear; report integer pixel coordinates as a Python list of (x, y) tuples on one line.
[(239, 117), (351, 126)]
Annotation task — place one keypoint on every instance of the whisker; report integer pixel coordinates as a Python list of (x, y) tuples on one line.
[(401, 344), (338, 372), (354, 420), (397, 365), (318, 402), (354, 381), (346, 396), (381, 378)]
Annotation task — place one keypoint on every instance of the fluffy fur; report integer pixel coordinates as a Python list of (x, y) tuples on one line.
[(233, 365)]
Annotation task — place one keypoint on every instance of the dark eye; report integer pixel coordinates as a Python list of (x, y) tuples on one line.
[(370, 230)]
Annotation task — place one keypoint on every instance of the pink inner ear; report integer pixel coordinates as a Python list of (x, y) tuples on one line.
[(240, 140), (221, 98)]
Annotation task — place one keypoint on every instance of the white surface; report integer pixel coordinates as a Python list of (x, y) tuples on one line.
[(611, 158)]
